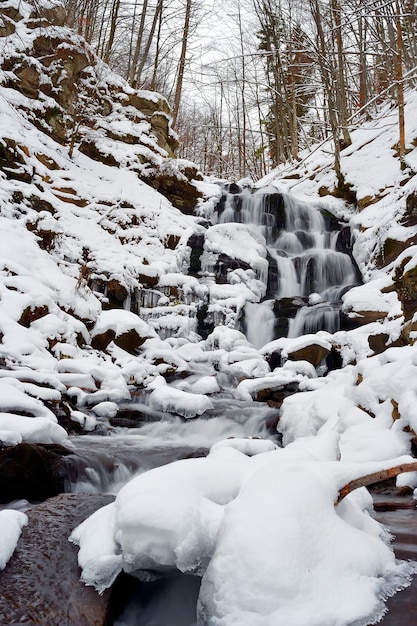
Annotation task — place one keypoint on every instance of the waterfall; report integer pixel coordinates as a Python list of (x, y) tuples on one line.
[(305, 261)]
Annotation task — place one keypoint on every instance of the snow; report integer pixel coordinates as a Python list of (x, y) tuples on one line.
[(230, 514), (182, 403), (11, 523), (258, 523)]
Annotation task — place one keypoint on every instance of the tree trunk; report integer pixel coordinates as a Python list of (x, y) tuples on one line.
[(113, 23), (341, 81), (400, 85), (145, 53), (181, 63), (136, 54)]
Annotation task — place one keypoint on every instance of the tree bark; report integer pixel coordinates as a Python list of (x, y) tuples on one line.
[(376, 477), (400, 85), (181, 63), (136, 54)]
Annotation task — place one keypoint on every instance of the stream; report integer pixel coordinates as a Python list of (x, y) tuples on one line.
[(310, 268)]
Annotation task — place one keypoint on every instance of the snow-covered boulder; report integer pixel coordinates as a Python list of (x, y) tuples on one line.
[(126, 329), (228, 515)]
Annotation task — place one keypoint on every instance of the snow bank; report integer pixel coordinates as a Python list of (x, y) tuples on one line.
[(230, 515)]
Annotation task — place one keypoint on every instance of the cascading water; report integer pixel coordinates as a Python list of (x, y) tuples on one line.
[(305, 258)]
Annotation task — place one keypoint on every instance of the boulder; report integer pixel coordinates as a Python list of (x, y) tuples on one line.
[(174, 180), (33, 471), (47, 14), (405, 284), (41, 583), (410, 215), (391, 249), (314, 353)]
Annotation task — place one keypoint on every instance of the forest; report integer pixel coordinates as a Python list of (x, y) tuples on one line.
[(253, 83)]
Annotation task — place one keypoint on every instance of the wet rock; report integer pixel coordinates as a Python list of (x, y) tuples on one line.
[(196, 243), (33, 471), (273, 277), (40, 584), (330, 220), (286, 309), (274, 204), (226, 264)]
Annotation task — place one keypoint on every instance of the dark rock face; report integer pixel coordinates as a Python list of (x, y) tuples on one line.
[(226, 264), (40, 584), (196, 243), (274, 204), (32, 471), (284, 310)]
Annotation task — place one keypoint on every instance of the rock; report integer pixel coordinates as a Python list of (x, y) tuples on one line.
[(378, 342), (47, 15), (9, 15), (410, 215), (226, 264), (391, 249), (174, 180), (31, 314), (361, 318), (90, 149), (129, 341), (101, 340), (40, 584), (12, 161), (196, 243), (314, 353), (33, 471), (405, 284), (79, 97), (330, 220), (284, 310)]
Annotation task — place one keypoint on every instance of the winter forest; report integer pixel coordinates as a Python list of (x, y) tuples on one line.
[(208, 312), (262, 79)]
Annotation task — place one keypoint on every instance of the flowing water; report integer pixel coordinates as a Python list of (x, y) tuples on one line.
[(305, 259), (103, 464)]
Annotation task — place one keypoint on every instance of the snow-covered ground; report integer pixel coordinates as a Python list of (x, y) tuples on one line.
[(259, 524)]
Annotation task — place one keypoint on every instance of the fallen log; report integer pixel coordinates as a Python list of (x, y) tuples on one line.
[(375, 477)]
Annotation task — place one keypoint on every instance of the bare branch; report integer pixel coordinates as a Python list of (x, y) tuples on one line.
[(376, 477)]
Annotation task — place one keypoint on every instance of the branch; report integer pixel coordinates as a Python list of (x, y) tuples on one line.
[(376, 477)]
